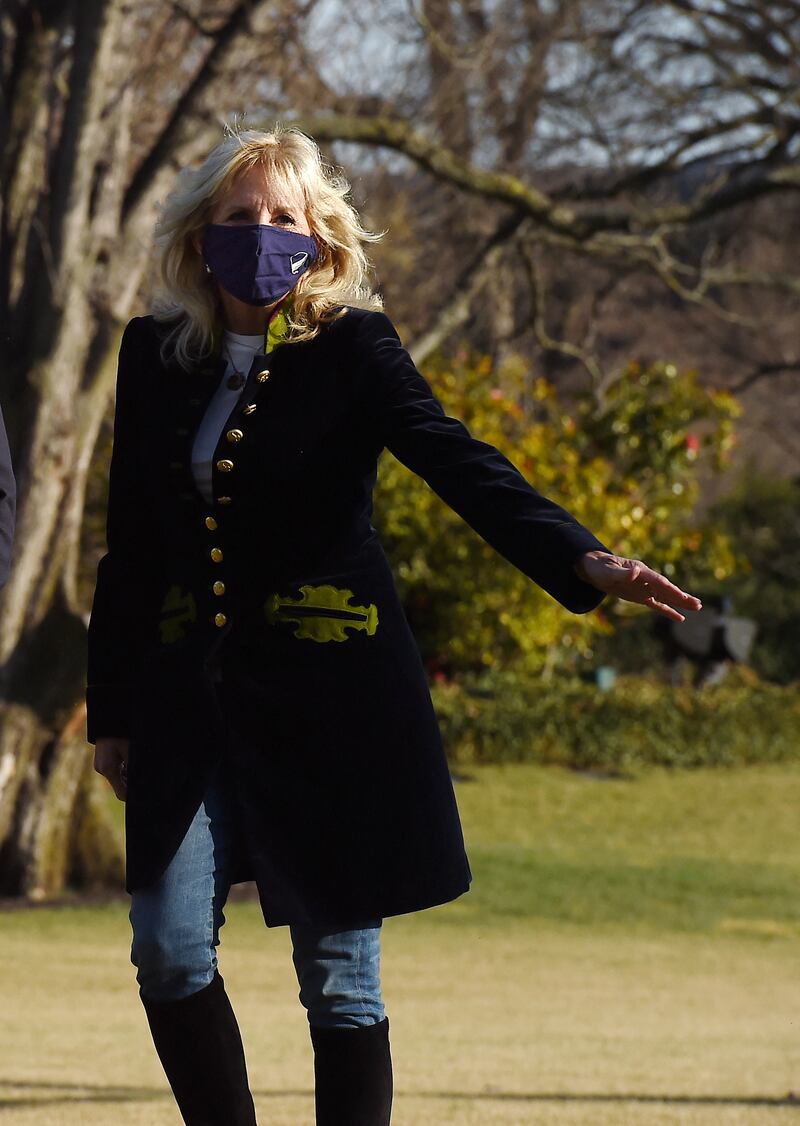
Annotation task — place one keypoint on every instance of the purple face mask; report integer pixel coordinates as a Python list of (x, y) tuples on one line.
[(256, 262)]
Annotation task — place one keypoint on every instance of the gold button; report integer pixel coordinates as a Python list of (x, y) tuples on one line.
[(218, 588), (235, 435), (249, 408), (220, 620), (216, 554), (263, 376), (211, 524), (223, 500), (225, 466)]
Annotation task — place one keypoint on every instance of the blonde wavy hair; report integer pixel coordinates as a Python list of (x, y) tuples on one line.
[(292, 161)]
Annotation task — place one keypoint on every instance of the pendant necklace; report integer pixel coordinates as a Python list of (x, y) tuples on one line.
[(236, 379)]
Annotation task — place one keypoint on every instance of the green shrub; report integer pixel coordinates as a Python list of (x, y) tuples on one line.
[(506, 716), (627, 467)]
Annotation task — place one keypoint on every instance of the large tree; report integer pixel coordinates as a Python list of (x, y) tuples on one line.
[(100, 102), (615, 137)]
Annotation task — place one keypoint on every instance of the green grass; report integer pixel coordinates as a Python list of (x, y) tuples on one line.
[(628, 955), (699, 851)]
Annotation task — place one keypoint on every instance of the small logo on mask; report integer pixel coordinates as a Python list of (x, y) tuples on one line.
[(297, 261)]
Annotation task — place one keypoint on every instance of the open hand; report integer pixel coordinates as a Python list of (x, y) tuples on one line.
[(111, 760), (634, 581)]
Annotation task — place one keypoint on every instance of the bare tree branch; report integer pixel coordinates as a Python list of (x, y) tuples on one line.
[(546, 341), (455, 308), (505, 188), (80, 146), (164, 145), (764, 371)]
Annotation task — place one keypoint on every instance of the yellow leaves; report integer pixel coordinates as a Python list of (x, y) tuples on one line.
[(543, 390), (620, 467), (725, 402), (484, 366)]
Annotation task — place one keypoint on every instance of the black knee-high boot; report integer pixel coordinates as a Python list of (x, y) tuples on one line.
[(200, 1048), (353, 1075)]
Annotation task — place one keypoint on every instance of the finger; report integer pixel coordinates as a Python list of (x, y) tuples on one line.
[(115, 772), (116, 786), (643, 596), (660, 586), (121, 788), (114, 781), (665, 609), (665, 591)]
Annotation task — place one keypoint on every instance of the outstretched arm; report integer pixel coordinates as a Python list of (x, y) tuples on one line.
[(477, 481), (473, 477)]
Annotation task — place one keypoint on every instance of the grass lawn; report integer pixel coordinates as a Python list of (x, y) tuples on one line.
[(629, 954)]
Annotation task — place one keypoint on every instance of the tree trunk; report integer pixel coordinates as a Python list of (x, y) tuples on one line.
[(61, 381), (55, 819), (75, 230)]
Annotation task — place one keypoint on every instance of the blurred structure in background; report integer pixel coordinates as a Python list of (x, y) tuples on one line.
[(710, 640)]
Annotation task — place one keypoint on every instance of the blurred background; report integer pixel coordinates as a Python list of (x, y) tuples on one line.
[(592, 237)]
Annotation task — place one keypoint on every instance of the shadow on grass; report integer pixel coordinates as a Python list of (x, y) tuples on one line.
[(94, 1093), (88, 1093), (592, 1097)]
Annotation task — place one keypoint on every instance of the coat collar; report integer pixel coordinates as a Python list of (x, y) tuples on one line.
[(276, 333)]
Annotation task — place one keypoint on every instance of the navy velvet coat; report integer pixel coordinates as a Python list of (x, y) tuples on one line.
[(266, 628)]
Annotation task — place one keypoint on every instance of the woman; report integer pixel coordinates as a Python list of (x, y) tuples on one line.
[(254, 691)]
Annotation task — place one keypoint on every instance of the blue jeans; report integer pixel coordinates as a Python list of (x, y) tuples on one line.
[(176, 923)]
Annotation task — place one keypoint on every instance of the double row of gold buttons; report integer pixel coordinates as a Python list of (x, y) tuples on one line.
[(226, 465)]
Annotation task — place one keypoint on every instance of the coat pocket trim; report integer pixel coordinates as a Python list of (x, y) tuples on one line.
[(322, 613)]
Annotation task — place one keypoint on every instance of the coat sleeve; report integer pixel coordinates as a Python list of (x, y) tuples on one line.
[(8, 504), (123, 617), (474, 478)]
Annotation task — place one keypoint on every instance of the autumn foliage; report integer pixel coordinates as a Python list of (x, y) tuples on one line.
[(627, 465)]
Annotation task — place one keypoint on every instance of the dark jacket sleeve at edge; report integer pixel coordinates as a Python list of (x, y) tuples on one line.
[(122, 618), (474, 478), (8, 504)]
